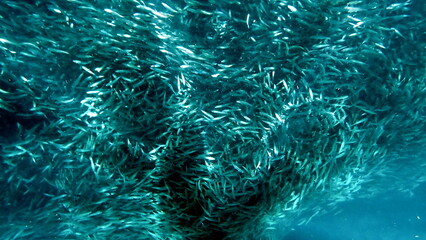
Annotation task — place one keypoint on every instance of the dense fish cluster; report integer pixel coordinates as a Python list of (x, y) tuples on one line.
[(208, 119)]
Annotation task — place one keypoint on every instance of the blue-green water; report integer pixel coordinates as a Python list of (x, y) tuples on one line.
[(387, 216)]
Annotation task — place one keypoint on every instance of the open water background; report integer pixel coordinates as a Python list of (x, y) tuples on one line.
[(388, 216)]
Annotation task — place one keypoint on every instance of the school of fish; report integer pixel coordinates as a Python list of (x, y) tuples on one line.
[(212, 119)]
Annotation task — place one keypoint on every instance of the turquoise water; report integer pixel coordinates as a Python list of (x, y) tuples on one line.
[(387, 216)]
